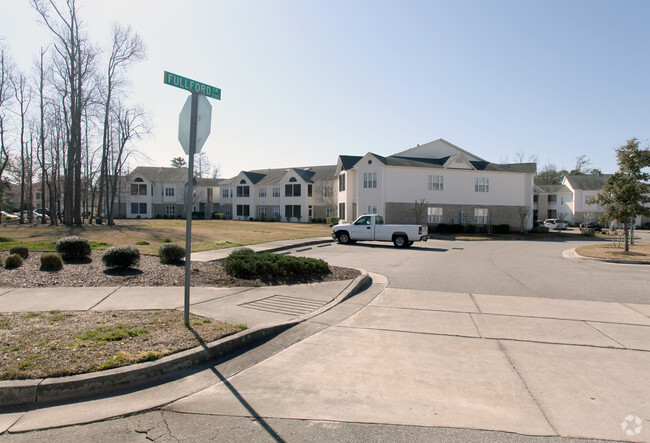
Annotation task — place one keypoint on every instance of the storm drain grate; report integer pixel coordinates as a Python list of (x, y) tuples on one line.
[(282, 304)]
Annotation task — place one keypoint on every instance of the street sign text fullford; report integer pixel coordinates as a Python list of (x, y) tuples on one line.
[(192, 85)]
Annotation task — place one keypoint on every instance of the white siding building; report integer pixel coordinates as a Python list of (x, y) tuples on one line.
[(454, 186)]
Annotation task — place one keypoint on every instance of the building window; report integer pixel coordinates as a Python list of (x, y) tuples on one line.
[(535, 198), (170, 210), (310, 211), (341, 183), (243, 210), (481, 184), (588, 199), (481, 216), (262, 192), (276, 193), (435, 183), (328, 212), (434, 215), (552, 198), (309, 190), (243, 191), (372, 210), (328, 191), (227, 211), (261, 212), (292, 190), (169, 192), (292, 211), (138, 189), (369, 180), (275, 211), (224, 193), (138, 208), (342, 211)]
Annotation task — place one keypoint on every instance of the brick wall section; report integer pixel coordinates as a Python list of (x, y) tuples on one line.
[(404, 213)]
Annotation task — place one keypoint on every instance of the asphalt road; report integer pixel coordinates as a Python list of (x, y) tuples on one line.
[(517, 268)]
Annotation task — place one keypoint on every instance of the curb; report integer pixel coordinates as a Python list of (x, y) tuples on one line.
[(26, 393), (572, 254)]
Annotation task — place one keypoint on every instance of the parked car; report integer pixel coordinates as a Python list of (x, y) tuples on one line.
[(7, 216), (554, 223), (39, 211), (35, 215), (371, 227), (591, 225)]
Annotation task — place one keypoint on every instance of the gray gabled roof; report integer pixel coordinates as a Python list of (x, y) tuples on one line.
[(159, 174), (309, 174), (209, 181), (551, 189), (349, 161), (587, 182)]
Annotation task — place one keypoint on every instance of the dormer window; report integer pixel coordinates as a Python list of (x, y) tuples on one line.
[(292, 180), (138, 188)]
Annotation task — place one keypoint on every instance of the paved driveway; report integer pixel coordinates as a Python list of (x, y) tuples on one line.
[(518, 268)]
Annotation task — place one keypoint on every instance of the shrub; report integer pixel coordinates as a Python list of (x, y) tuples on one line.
[(13, 261), (171, 253), (540, 229), (23, 251), (470, 229), (501, 229), (125, 256), (5, 239), (51, 261), (165, 240), (332, 221), (142, 243), (73, 246), (244, 263)]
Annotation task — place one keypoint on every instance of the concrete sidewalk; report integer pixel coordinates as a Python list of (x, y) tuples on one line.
[(525, 365)]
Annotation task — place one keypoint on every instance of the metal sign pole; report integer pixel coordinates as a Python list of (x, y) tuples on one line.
[(188, 205)]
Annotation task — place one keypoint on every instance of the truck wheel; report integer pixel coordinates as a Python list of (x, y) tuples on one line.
[(344, 238), (400, 241)]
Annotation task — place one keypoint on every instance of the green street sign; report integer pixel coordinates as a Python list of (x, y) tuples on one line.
[(192, 85)]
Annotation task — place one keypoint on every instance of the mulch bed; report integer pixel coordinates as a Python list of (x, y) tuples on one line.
[(150, 272)]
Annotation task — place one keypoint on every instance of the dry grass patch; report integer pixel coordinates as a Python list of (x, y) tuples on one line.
[(54, 344), (206, 234), (638, 252)]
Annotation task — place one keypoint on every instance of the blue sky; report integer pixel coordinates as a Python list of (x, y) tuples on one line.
[(305, 81)]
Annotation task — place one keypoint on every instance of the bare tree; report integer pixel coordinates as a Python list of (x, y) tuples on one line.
[(22, 94), (129, 124), (127, 47), (202, 165), (41, 152), (420, 211), (74, 59), (524, 214), (520, 157), (6, 87)]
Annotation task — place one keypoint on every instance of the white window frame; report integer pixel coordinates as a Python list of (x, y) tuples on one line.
[(434, 215), (328, 212), (436, 183), (372, 210), (225, 193), (275, 212), (482, 184), (261, 212), (369, 180), (169, 192), (170, 210), (481, 216), (276, 192), (262, 192)]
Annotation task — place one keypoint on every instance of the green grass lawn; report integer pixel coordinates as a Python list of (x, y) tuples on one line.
[(206, 234)]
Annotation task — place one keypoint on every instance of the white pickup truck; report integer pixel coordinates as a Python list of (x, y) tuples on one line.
[(371, 227)]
